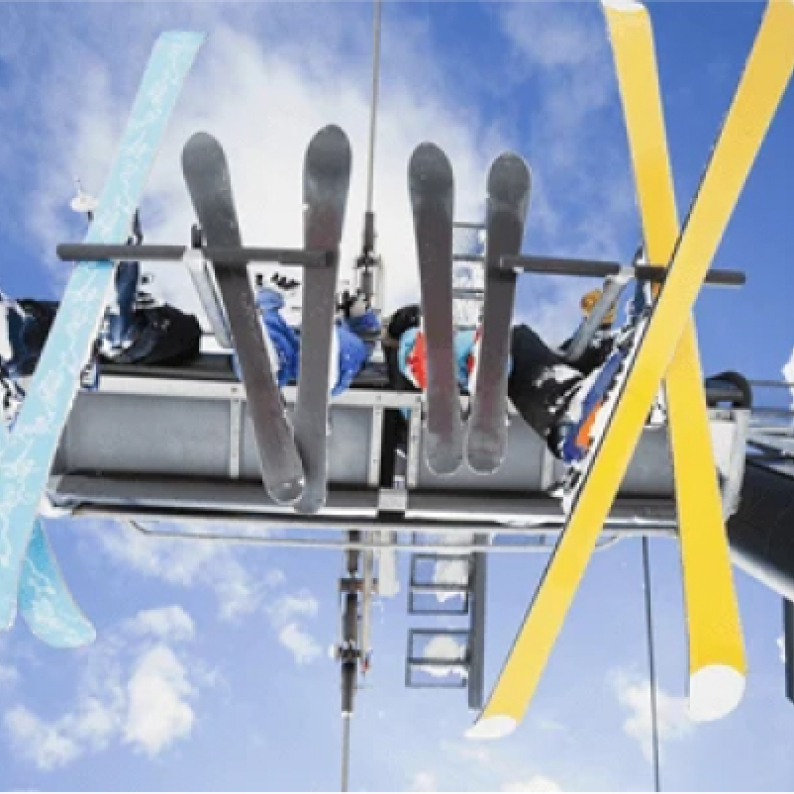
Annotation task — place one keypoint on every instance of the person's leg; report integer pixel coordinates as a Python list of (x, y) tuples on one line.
[(539, 381), (121, 326)]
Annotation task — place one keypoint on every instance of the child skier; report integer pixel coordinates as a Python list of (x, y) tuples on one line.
[(559, 400)]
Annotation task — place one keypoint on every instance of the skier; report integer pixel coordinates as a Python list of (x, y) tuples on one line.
[(355, 333), (136, 330), (559, 400)]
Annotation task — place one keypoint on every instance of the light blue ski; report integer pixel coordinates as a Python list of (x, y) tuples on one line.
[(45, 601), (44, 597), (26, 461)]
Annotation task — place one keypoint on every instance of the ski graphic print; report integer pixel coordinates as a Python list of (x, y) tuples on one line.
[(506, 212), (765, 78), (715, 634), (26, 460), (431, 189), (45, 601), (326, 182), (44, 598), (208, 181)]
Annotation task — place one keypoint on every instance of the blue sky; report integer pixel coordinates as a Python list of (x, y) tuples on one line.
[(210, 671)]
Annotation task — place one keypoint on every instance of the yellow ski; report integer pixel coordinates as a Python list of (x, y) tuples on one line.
[(765, 77), (715, 636)]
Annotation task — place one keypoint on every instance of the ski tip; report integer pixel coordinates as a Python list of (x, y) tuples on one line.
[(495, 727), (331, 138), (509, 179), (199, 148), (714, 691), (79, 637), (430, 162), (623, 6), (192, 36)]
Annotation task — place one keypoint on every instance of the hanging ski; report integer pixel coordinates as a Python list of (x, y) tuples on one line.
[(506, 211), (431, 188), (715, 636), (45, 601), (26, 460), (762, 85), (44, 598), (208, 181), (326, 180)]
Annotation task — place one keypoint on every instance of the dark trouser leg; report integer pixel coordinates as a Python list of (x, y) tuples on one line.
[(538, 381)]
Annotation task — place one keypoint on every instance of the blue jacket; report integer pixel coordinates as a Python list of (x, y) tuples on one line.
[(353, 352)]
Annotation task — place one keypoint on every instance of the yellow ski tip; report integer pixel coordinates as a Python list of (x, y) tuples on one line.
[(629, 6), (714, 691), (492, 727)]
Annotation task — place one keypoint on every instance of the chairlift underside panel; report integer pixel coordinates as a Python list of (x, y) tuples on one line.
[(170, 443)]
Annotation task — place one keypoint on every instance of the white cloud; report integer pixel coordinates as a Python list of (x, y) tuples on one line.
[(299, 643), (169, 623), (159, 693), (134, 688), (48, 746), (634, 696), (788, 375), (535, 783), (185, 563), (287, 615), (9, 675), (288, 606), (423, 781)]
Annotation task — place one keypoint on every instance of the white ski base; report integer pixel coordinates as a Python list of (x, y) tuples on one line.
[(492, 727), (714, 691)]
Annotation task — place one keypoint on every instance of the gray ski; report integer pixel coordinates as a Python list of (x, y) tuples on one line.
[(326, 180), (208, 181), (431, 187), (508, 201)]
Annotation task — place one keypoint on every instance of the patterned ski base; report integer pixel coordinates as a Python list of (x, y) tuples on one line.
[(45, 601), (26, 461), (44, 598), (326, 181), (431, 189), (208, 181), (765, 78), (508, 201)]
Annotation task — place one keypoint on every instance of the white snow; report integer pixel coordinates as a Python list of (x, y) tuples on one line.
[(623, 5), (788, 374), (492, 727), (714, 691)]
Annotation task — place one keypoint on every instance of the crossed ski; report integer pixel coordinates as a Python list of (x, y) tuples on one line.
[(717, 663)]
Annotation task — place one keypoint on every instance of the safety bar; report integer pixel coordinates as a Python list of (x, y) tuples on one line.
[(599, 269)]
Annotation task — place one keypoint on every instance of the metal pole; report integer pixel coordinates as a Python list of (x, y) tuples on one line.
[(646, 570), (345, 752)]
